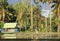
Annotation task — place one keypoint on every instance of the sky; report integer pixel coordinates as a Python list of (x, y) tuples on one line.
[(12, 1)]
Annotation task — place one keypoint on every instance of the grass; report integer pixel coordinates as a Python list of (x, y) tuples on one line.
[(41, 35)]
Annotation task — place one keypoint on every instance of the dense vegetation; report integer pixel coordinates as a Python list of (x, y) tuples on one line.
[(28, 17)]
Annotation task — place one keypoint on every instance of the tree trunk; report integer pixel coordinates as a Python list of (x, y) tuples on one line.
[(31, 18), (50, 16), (3, 13), (58, 20)]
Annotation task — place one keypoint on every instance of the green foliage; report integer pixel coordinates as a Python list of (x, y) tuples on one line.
[(1, 24), (22, 14), (3, 3)]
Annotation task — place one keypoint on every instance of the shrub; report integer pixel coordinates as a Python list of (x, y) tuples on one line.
[(1, 24)]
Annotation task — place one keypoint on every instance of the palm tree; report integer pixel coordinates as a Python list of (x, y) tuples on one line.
[(3, 6)]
